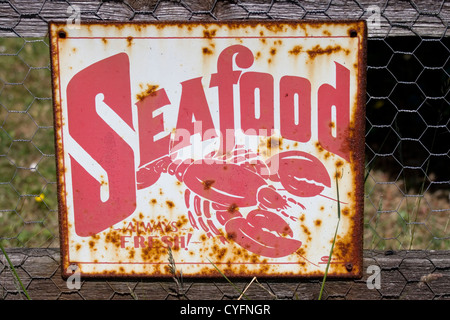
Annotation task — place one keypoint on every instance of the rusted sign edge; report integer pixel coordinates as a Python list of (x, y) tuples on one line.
[(358, 156), (59, 152), (357, 143)]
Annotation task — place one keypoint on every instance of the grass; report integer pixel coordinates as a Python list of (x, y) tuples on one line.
[(402, 214), (400, 220), (334, 239), (28, 200), (13, 270), (241, 293), (177, 276)]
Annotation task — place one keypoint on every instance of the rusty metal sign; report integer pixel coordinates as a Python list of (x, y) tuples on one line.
[(238, 146)]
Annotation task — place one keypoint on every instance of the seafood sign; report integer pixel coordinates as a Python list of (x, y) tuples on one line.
[(237, 146)]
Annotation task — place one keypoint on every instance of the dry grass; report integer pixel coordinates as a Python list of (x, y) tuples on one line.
[(397, 220)]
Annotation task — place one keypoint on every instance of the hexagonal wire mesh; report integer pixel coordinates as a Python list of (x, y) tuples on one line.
[(407, 131)]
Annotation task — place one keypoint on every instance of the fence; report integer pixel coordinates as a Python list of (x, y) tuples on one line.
[(407, 212)]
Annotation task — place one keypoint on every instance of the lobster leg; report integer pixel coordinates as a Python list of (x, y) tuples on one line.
[(202, 210)]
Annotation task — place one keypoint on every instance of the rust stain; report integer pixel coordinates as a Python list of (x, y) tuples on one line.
[(319, 147), (306, 231), (207, 51), (207, 184), (275, 27), (131, 253), (345, 211), (170, 204), (339, 163), (318, 50), (209, 34), (150, 90), (296, 50), (113, 237), (129, 41)]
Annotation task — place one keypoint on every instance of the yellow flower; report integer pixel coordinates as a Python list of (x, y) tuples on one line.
[(40, 198)]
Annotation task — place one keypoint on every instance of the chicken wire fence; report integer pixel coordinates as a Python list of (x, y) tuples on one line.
[(407, 109)]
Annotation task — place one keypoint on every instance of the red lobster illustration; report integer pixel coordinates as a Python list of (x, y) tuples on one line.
[(226, 185)]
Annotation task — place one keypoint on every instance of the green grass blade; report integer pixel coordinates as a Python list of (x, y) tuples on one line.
[(334, 240), (229, 281), (11, 266)]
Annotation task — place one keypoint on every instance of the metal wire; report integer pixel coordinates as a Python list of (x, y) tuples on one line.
[(407, 111)]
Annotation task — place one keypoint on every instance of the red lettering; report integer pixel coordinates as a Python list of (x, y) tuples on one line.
[(130, 227), (149, 126), (147, 227), (178, 242), (257, 111), (150, 227), (193, 105), (139, 241), (224, 80), (295, 108), (167, 240), (108, 82), (334, 113), (174, 226), (123, 241), (111, 78), (150, 241)]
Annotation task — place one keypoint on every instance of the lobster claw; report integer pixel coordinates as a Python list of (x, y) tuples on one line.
[(147, 175), (300, 173), (264, 233)]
